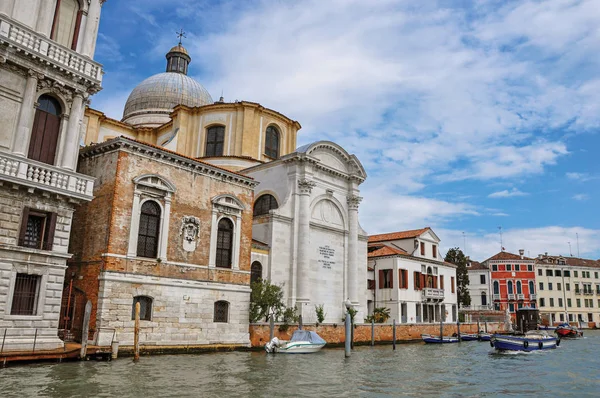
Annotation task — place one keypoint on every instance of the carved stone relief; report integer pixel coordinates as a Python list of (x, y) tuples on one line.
[(190, 227)]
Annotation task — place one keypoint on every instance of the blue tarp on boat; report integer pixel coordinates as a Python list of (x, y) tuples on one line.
[(307, 335)]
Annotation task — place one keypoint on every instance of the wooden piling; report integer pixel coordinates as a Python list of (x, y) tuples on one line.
[(394, 334), (271, 327), (85, 330), (300, 322), (136, 334), (372, 332)]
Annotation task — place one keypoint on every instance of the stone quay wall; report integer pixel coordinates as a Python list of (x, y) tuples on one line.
[(334, 334)]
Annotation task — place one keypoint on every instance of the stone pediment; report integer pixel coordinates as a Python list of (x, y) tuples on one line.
[(335, 159)]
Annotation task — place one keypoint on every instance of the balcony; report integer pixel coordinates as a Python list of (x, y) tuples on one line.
[(533, 297), (588, 292), (496, 297), (39, 47), (520, 296), (46, 177), (511, 296), (429, 293)]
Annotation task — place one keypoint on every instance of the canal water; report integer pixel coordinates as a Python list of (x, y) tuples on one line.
[(470, 369)]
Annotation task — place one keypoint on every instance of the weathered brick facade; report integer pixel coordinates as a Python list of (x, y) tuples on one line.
[(182, 282)]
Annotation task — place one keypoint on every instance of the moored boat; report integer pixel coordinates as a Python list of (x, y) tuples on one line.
[(485, 336), (532, 341), (302, 342), (431, 339), (566, 330), (469, 337)]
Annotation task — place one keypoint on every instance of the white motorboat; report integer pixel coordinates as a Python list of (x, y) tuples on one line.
[(302, 342)]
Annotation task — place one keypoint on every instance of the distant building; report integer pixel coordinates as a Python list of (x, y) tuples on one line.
[(479, 285), (407, 274), (513, 281), (568, 289), (47, 74)]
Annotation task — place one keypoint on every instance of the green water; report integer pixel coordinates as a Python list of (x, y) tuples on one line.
[(453, 370)]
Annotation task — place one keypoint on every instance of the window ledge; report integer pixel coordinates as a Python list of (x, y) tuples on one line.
[(24, 317)]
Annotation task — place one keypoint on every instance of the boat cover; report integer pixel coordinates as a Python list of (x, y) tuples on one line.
[(307, 335)]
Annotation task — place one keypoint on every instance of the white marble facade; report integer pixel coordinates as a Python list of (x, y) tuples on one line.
[(317, 247)]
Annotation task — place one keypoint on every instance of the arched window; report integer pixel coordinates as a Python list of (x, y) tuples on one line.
[(145, 308), (272, 142), (519, 290), (67, 20), (263, 204), (531, 287), (46, 126), (215, 136), (496, 287), (255, 272), (224, 243), (483, 298), (221, 311), (510, 287), (147, 245)]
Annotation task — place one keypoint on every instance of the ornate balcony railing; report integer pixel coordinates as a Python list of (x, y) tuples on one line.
[(43, 176), (533, 296), (429, 293), (520, 296), (511, 296), (496, 297), (38, 46)]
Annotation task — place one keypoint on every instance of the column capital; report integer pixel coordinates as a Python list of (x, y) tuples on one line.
[(35, 74), (306, 186), (353, 201)]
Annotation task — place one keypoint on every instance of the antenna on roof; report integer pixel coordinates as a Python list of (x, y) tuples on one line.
[(570, 253), (577, 235)]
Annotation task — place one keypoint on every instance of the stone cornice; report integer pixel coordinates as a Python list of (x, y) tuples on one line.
[(140, 148)]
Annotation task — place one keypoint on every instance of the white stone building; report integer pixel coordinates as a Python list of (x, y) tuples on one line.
[(47, 73), (407, 274), (479, 285), (306, 213)]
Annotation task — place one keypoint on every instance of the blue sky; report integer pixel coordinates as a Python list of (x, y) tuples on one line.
[(467, 115)]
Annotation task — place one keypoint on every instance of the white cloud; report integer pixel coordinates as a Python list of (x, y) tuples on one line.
[(580, 196), (580, 176), (507, 194), (552, 239)]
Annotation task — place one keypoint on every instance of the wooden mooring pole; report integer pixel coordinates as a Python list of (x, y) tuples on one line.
[(136, 334), (300, 326), (86, 329), (372, 332), (394, 334), (271, 327), (348, 337)]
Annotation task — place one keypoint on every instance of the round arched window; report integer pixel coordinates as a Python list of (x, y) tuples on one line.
[(272, 142), (263, 204)]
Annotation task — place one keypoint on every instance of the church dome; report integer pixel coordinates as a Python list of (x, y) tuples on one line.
[(151, 101)]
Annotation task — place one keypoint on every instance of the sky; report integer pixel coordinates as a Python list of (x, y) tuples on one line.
[(480, 119)]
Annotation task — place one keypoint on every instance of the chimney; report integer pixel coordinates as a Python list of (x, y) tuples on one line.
[(521, 252)]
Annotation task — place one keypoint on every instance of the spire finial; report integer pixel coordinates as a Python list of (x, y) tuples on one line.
[(180, 35)]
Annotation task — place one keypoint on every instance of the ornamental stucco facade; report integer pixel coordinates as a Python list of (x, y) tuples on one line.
[(47, 73), (317, 249)]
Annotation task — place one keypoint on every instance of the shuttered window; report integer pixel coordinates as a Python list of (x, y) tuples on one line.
[(26, 293), (224, 243), (44, 134), (422, 248), (386, 280), (441, 281), (403, 278), (417, 276), (37, 229), (215, 136), (452, 284), (149, 230)]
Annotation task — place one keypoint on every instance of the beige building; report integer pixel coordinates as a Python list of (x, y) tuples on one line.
[(47, 73), (568, 290)]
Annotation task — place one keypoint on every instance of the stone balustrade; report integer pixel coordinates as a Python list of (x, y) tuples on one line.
[(44, 176), (38, 46), (429, 293)]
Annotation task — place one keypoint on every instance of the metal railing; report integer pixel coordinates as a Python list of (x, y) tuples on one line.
[(5, 335)]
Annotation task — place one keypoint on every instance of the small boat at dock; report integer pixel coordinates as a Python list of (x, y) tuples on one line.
[(469, 337), (431, 339), (302, 342), (533, 340)]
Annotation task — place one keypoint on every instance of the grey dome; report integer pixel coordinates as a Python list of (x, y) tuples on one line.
[(159, 94)]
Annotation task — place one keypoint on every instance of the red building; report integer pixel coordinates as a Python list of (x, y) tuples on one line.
[(513, 281)]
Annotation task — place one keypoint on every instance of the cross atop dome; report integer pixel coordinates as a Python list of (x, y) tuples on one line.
[(178, 58), (180, 35)]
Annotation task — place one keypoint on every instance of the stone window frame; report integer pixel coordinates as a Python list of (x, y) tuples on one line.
[(227, 305), (30, 270), (160, 190), (149, 302), (230, 207)]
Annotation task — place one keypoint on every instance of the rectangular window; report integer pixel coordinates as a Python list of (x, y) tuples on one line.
[(422, 248), (511, 307), (520, 306), (562, 317), (551, 302), (575, 274), (508, 267), (37, 229), (494, 267), (541, 286), (560, 302), (570, 317), (558, 286), (596, 275), (517, 267), (542, 302), (434, 251), (482, 279), (569, 303), (386, 279), (567, 274), (452, 283), (26, 293), (403, 277), (417, 280), (549, 272), (568, 287), (441, 281), (370, 284), (578, 303), (529, 267), (539, 271), (597, 289), (549, 285), (557, 272)]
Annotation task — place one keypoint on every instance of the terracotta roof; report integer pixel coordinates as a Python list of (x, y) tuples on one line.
[(413, 233), (506, 256), (382, 251), (477, 266), (569, 261)]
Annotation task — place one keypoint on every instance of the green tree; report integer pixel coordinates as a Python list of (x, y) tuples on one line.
[(380, 315), (265, 300), (458, 258)]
